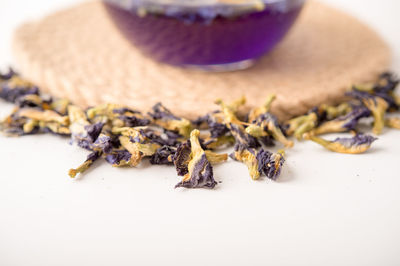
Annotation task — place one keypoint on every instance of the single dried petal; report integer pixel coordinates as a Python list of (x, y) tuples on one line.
[(376, 105), (355, 145), (200, 172)]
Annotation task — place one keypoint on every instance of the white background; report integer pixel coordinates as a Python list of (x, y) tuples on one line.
[(327, 209)]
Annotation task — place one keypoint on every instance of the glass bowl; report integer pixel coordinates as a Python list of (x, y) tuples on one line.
[(216, 35)]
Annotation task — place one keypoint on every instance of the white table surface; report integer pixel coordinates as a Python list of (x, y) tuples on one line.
[(327, 209)]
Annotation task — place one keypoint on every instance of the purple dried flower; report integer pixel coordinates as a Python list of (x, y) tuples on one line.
[(376, 105), (201, 175), (270, 164), (266, 127), (192, 162), (103, 143), (166, 138), (343, 123), (119, 158), (181, 158), (163, 155), (243, 140), (94, 130), (355, 145), (164, 118)]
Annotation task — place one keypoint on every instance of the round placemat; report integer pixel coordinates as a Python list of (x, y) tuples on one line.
[(79, 53)]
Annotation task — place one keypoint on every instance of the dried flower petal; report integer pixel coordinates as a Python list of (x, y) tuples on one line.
[(248, 157), (270, 164), (200, 172), (344, 123), (164, 118), (267, 124), (261, 162), (355, 145), (376, 105), (15, 87), (181, 158), (138, 150), (214, 122), (242, 138), (119, 158), (163, 155)]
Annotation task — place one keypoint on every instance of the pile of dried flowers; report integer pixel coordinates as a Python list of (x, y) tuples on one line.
[(123, 136)]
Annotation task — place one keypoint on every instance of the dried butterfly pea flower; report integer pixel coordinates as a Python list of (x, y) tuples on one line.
[(245, 147), (138, 150), (163, 155), (242, 139), (219, 134), (194, 165), (134, 141), (270, 164), (248, 156), (260, 162), (393, 122), (82, 132), (10, 92), (329, 112), (32, 121), (264, 124), (164, 118), (355, 145), (376, 105), (181, 158), (214, 122), (118, 115), (103, 143), (119, 158), (344, 123), (164, 138), (92, 157), (302, 124)]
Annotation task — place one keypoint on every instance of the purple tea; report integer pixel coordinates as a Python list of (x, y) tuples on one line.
[(219, 34)]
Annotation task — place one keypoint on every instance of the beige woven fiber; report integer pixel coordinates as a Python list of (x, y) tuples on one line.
[(79, 53)]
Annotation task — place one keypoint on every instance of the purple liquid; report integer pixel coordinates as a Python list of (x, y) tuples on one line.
[(192, 40)]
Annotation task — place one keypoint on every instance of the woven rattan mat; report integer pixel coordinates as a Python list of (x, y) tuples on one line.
[(78, 53)]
